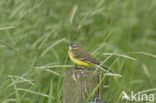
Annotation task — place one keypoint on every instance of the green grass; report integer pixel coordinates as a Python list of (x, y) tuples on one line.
[(34, 35)]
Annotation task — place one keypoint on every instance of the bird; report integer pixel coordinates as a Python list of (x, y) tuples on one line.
[(80, 56)]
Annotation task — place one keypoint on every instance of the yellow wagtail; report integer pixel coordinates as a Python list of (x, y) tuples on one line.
[(81, 56)]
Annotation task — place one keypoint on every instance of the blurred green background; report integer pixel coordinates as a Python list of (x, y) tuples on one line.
[(34, 35)]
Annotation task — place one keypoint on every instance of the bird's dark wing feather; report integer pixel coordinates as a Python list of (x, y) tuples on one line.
[(84, 55)]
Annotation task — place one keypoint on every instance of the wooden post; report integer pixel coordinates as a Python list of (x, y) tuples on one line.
[(78, 84)]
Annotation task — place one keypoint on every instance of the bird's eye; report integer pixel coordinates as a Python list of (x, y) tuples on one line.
[(73, 46)]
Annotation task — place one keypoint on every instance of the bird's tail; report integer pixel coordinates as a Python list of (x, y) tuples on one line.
[(99, 65), (105, 69)]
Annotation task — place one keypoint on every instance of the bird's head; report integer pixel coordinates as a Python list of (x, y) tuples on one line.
[(74, 46)]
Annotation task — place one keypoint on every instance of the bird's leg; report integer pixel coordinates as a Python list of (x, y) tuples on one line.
[(82, 67), (77, 67)]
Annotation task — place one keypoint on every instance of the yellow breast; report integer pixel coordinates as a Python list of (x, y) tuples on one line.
[(77, 61)]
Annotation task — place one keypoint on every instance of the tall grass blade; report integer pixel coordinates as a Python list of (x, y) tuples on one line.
[(144, 53), (34, 92), (50, 92), (53, 45), (120, 55), (16, 91), (101, 46), (6, 28), (49, 71), (8, 45), (73, 13)]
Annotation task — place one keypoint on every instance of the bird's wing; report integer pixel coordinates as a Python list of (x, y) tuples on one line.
[(84, 55)]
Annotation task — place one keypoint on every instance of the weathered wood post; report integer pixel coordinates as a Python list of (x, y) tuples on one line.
[(78, 84)]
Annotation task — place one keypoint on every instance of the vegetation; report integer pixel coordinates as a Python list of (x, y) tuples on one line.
[(33, 45)]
